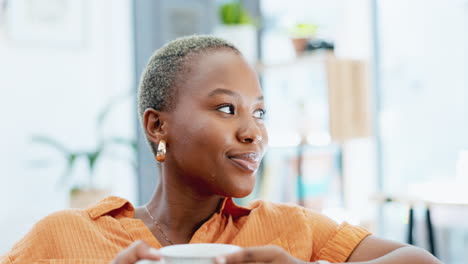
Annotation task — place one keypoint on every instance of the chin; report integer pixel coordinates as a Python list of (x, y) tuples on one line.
[(240, 191), (242, 194), (235, 186), (236, 191)]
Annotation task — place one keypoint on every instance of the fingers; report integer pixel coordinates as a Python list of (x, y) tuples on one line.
[(264, 254), (136, 251)]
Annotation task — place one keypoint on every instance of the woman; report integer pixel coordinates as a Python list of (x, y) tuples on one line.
[(202, 110)]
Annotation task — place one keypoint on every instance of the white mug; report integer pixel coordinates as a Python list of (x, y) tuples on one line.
[(193, 253)]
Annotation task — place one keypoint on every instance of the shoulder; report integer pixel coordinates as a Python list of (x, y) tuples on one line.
[(287, 211), (294, 212), (313, 221), (112, 206), (44, 235), (54, 233), (56, 222), (323, 237), (73, 220), (286, 217)]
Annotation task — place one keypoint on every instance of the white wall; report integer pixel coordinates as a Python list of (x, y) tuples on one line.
[(354, 41), (57, 90)]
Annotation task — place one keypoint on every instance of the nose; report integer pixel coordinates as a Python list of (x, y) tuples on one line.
[(250, 133)]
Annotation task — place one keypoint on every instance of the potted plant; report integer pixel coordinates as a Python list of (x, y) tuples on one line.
[(301, 34), (238, 27), (233, 13), (85, 193)]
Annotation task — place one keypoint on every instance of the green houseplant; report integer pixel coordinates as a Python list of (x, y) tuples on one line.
[(301, 33), (233, 13), (238, 27), (87, 192)]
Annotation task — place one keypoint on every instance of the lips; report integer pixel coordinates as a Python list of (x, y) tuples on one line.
[(248, 161)]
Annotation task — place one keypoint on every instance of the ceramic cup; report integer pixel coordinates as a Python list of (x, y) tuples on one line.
[(193, 253)]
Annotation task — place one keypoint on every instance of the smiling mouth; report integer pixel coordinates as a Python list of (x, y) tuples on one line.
[(246, 161)]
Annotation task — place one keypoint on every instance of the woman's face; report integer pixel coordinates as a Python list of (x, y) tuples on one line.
[(216, 134)]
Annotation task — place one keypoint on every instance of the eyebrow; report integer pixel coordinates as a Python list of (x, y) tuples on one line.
[(228, 92)]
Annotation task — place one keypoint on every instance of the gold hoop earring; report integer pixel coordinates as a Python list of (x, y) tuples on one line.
[(161, 152)]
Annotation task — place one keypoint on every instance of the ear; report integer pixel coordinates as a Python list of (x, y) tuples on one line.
[(154, 125)]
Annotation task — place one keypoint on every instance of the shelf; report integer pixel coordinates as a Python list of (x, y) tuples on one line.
[(306, 58)]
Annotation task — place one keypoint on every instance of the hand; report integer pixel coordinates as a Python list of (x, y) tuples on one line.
[(265, 254), (136, 251)]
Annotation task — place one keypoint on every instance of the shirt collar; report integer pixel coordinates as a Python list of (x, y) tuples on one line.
[(119, 207), (229, 207), (115, 206)]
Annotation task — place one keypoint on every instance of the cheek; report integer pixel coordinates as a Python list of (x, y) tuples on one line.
[(207, 135), (196, 140), (265, 135), (265, 138)]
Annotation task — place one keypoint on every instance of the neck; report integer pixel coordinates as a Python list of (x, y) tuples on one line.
[(179, 210)]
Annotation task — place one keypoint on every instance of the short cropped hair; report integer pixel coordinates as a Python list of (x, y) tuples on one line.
[(168, 68)]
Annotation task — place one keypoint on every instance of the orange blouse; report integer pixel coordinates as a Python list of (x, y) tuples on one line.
[(98, 233)]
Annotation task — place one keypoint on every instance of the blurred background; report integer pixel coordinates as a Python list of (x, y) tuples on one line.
[(367, 107)]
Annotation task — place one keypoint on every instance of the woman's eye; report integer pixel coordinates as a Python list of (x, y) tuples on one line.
[(228, 109), (260, 113)]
